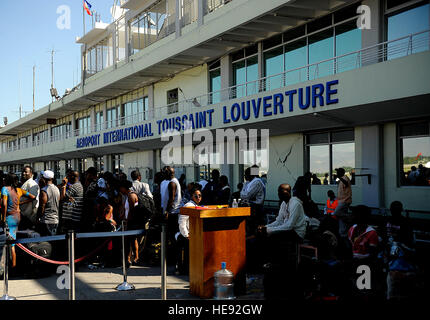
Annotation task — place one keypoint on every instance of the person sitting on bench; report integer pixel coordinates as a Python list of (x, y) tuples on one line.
[(290, 224)]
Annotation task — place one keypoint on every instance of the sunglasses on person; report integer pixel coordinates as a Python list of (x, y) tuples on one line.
[(197, 195)]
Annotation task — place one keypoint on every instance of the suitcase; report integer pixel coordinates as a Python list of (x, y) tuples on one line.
[(30, 266)]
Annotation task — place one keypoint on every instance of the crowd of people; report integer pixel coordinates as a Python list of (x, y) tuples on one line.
[(103, 201), (416, 176), (344, 237)]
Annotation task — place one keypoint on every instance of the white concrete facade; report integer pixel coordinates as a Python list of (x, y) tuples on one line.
[(372, 100)]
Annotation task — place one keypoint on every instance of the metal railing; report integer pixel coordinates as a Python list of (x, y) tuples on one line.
[(71, 236), (212, 5), (385, 51)]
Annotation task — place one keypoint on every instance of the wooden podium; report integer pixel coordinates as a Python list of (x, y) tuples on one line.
[(216, 235)]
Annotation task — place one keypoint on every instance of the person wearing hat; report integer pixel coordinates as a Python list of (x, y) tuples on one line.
[(49, 202)]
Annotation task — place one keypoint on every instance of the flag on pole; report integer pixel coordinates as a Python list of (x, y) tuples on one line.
[(87, 7)]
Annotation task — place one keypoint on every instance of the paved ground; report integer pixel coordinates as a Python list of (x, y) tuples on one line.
[(99, 284)]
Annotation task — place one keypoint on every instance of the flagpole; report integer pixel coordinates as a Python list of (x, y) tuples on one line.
[(83, 16)]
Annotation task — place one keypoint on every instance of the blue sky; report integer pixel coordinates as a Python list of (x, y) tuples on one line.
[(28, 32)]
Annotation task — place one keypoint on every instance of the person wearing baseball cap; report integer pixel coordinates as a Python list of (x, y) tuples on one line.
[(49, 199)]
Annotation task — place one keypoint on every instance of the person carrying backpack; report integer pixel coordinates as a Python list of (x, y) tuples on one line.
[(139, 208)]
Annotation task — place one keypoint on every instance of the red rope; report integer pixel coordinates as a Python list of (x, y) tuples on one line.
[(62, 262)]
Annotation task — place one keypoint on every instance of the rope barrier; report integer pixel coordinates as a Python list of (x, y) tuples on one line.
[(62, 262), (80, 236)]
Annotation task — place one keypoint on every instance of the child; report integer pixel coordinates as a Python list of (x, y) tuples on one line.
[(331, 203)]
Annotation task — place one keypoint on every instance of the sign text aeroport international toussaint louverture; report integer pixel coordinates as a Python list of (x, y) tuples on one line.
[(279, 103)]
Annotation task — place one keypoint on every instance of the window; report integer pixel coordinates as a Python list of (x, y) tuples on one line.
[(295, 57), (414, 153), (323, 39), (114, 117), (56, 169), (83, 125), (215, 82), (348, 39), (321, 48), (117, 163), (60, 132), (136, 110), (23, 142), (69, 165), (172, 101), (327, 151), (82, 165), (404, 23), (41, 137), (274, 64), (245, 72), (99, 121), (99, 164)]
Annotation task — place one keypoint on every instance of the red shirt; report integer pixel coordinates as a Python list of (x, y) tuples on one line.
[(361, 243)]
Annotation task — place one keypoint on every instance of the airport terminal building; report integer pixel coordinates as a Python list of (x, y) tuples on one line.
[(338, 83)]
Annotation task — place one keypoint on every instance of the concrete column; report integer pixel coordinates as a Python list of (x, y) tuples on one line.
[(260, 60), (226, 76), (200, 12), (93, 119), (83, 63), (105, 115), (107, 163), (30, 143), (178, 26), (73, 124), (374, 35), (368, 149), (114, 45), (127, 40), (151, 106)]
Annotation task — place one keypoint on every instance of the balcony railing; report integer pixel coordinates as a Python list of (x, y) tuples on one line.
[(381, 52)]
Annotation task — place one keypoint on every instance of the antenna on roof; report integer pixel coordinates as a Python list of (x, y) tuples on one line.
[(53, 91)]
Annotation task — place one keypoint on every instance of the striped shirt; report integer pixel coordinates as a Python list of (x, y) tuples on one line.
[(73, 204)]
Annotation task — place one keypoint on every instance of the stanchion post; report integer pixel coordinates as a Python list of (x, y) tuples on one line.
[(71, 239), (163, 262), (6, 275), (125, 286)]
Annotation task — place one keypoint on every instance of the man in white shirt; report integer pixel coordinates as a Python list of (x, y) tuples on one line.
[(29, 210), (138, 185), (253, 192), (291, 217), (288, 228)]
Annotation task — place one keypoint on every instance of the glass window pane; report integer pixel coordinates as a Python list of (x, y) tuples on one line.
[(406, 23), (416, 161), (321, 48), (319, 160), (215, 85), (239, 78), (348, 39), (343, 156), (274, 64), (252, 75), (295, 57), (146, 107)]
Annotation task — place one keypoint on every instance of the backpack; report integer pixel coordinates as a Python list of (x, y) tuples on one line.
[(144, 210)]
